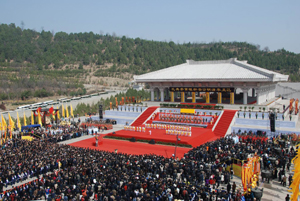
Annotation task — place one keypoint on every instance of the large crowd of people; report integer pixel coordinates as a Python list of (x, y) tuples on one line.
[(71, 173)]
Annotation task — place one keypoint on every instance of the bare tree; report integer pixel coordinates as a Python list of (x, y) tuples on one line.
[(22, 25), (266, 49)]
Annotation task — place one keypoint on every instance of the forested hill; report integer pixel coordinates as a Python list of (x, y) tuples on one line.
[(96, 55)]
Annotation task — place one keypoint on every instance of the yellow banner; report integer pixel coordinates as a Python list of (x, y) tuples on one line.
[(237, 170), (27, 138), (71, 111), (188, 111)]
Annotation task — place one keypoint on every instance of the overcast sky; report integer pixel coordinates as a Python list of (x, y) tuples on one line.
[(268, 23)]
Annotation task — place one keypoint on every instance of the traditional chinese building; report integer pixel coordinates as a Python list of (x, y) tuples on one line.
[(222, 81)]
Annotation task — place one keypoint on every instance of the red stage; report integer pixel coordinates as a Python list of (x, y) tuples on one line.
[(199, 136), (134, 148)]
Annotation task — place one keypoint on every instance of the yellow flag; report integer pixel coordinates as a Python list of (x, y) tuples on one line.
[(25, 124), (53, 113), (296, 177), (62, 111), (4, 125), (39, 118), (71, 111), (58, 117), (32, 118), (67, 112), (18, 122), (11, 122)]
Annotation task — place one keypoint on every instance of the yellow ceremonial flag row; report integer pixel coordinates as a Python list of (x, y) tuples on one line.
[(65, 112), (12, 125)]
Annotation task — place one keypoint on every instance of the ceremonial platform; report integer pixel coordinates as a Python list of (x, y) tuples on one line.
[(134, 148), (199, 136), (164, 125), (160, 130)]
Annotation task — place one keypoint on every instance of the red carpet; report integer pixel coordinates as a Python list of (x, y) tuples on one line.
[(198, 104), (199, 136), (142, 118), (224, 123), (134, 148)]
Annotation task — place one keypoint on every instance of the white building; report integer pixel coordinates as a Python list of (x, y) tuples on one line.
[(219, 81)]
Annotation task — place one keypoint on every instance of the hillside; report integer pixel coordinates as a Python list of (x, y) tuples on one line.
[(43, 63)]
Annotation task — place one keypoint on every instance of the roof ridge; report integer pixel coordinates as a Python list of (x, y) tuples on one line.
[(193, 62)]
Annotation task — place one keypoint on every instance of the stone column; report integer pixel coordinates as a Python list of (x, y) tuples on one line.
[(182, 97), (193, 97), (162, 94), (259, 96), (172, 96), (245, 96), (152, 94), (219, 97), (232, 98), (207, 97)]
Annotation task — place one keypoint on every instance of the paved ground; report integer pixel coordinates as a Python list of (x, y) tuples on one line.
[(74, 103)]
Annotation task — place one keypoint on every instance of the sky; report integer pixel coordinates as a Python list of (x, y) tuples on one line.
[(268, 23)]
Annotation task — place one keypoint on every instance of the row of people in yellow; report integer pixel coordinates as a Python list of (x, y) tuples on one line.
[(180, 133), (168, 127), (135, 128)]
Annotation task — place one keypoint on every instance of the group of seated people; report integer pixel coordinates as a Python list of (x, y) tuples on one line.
[(135, 128), (193, 119), (73, 173), (180, 133), (168, 127)]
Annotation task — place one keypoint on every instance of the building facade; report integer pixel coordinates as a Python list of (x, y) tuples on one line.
[(222, 81)]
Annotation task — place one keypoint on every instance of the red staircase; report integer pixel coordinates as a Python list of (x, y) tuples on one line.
[(224, 122), (142, 118)]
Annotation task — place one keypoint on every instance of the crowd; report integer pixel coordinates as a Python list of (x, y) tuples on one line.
[(56, 134), (72, 173)]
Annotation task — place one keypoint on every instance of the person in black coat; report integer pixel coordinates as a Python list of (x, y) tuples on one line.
[(228, 187)]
